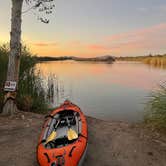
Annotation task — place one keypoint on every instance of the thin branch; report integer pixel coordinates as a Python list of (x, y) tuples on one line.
[(43, 7)]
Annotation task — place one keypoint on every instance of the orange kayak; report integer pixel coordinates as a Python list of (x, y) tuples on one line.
[(63, 140)]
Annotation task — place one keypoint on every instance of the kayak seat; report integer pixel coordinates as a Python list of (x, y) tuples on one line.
[(73, 121), (62, 123)]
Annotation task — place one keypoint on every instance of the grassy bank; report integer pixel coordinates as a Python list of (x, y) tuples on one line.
[(3, 68), (155, 60), (44, 59), (106, 58), (156, 109), (31, 93)]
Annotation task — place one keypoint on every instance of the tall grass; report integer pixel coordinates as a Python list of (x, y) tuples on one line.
[(154, 60), (156, 109), (31, 93), (3, 68)]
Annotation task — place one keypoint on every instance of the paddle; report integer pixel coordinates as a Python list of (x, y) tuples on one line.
[(52, 136), (71, 134)]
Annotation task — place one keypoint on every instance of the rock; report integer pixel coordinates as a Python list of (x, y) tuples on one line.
[(30, 120), (27, 125), (22, 117)]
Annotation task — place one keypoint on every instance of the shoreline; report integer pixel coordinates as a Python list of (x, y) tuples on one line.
[(109, 143)]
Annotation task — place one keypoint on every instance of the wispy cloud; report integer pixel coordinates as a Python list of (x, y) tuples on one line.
[(138, 41), (97, 47), (44, 44), (151, 32), (142, 9), (162, 8), (158, 9)]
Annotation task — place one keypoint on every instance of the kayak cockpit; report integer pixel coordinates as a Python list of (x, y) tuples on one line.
[(62, 125)]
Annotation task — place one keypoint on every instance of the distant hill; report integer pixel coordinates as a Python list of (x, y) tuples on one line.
[(106, 58)]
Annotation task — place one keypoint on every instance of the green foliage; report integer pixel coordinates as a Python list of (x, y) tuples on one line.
[(3, 68), (156, 109), (31, 93)]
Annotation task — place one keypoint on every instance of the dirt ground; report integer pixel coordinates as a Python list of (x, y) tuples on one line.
[(110, 143)]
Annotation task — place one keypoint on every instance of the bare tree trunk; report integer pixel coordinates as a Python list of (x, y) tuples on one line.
[(14, 56)]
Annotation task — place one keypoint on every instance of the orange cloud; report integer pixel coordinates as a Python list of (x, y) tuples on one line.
[(139, 41), (97, 47), (42, 44), (75, 42), (140, 33)]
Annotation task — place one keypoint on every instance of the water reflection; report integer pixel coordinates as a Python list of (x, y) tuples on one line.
[(157, 65), (108, 91)]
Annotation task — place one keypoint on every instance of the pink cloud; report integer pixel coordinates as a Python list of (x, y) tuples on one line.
[(141, 40), (140, 33), (75, 43)]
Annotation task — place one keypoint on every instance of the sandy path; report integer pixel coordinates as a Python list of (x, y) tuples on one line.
[(110, 143)]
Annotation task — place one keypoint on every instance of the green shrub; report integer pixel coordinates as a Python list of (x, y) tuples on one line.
[(156, 109), (31, 94), (3, 68)]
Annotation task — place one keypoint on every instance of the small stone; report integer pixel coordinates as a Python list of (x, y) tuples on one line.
[(27, 125), (22, 117), (30, 120)]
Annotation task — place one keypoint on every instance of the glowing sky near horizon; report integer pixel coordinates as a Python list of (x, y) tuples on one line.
[(93, 28)]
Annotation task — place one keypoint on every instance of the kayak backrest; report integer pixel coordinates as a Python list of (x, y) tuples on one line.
[(47, 129), (51, 126)]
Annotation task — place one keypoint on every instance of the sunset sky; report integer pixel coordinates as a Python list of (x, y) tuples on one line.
[(89, 28)]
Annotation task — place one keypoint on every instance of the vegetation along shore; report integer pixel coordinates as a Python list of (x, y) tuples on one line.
[(33, 95), (106, 58), (155, 60), (131, 144)]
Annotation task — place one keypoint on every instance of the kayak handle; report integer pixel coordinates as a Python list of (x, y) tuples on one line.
[(48, 159), (71, 151)]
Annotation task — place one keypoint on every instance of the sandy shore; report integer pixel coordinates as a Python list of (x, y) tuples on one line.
[(110, 143)]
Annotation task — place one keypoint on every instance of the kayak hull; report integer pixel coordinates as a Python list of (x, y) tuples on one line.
[(70, 154)]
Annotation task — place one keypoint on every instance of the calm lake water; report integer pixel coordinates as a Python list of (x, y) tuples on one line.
[(115, 91)]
